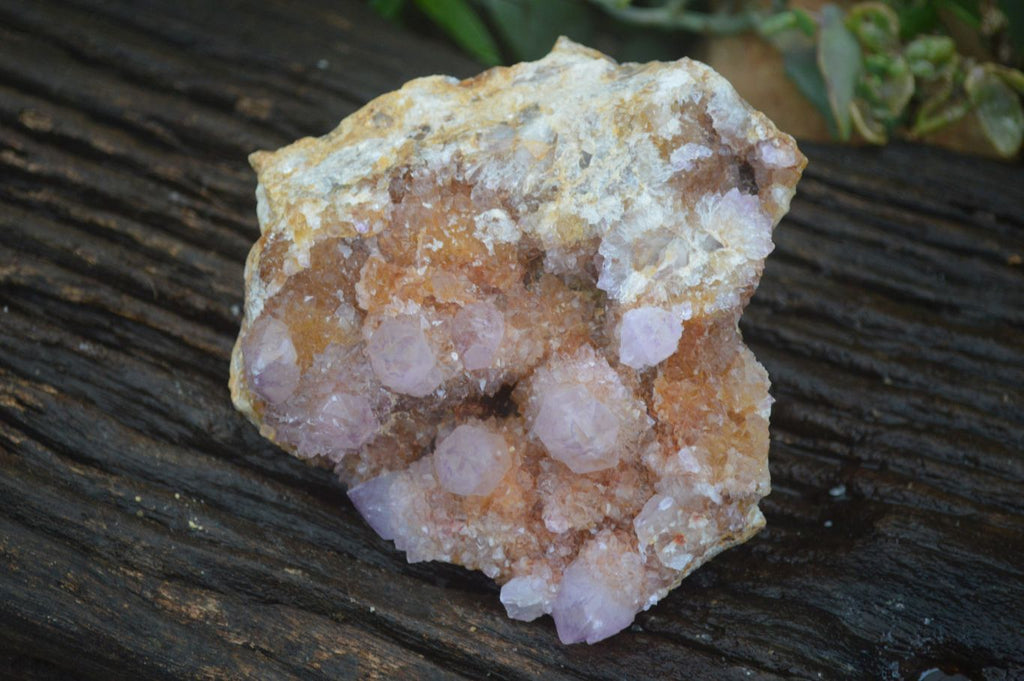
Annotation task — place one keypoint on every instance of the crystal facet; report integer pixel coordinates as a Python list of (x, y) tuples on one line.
[(271, 354), (477, 330), (577, 429), (648, 336), (401, 357), (472, 460)]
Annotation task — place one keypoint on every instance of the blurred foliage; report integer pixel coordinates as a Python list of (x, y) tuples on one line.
[(880, 68), (913, 67), (525, 30)]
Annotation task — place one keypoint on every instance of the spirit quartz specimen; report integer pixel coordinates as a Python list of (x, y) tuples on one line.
[(504, 310)]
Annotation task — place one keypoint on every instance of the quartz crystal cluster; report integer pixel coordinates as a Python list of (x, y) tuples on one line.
[(504, 310)]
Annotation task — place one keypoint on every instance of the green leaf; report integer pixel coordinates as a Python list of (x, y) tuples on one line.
[(530, 27), (866, 124), (839, 58), (928, 53), (388, 9), (805, 22), (940, 110), (802, 68), (887, 86), (458, 19), (795, 19), (998, 108), (876, 26), (1012, 77)]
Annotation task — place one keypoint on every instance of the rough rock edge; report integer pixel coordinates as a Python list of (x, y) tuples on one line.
[(257, 292)]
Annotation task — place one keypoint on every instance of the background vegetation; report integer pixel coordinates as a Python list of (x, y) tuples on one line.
[(873, 70)]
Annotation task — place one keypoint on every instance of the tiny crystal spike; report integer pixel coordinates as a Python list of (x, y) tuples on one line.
[(504, 311)]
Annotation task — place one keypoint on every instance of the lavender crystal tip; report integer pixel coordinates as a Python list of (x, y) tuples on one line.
[(504, 310)]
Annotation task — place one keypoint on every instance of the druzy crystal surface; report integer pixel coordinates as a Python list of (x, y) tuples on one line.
[(504, 310)]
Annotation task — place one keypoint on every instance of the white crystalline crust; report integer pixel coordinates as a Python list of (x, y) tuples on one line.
[(505, 311)]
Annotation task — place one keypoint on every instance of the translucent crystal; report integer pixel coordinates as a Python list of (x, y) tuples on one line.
[(374, 502), (527, 597), (598, 593), (577, 429), (477, 330), (736, 220), (662, 525), (402, 358), (504, 311), (272, 362), (687, 156), (472, 460), (648, 335), (347, 421)]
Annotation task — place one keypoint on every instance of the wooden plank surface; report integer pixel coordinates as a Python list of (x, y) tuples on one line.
[(146, 531)]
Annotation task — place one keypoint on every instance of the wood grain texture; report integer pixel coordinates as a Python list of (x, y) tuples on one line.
[(146, 531)]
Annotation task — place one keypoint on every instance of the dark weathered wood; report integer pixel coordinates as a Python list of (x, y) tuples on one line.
[(146, 531)]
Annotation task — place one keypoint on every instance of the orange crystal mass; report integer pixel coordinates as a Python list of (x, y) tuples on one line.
[(505, 309)]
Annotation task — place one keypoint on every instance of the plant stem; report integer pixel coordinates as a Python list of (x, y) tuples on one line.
[(673, 15)]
